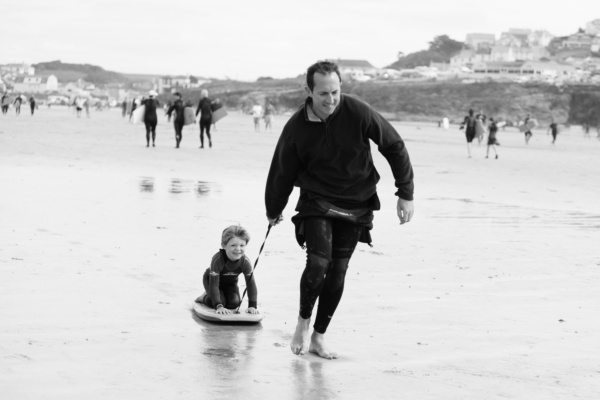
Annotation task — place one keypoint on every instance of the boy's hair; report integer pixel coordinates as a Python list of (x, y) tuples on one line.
[(322, 67), (234, 231)]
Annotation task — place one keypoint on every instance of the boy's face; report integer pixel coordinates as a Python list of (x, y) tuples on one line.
[(235, 248)]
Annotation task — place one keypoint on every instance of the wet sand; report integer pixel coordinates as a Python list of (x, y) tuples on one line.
[(491, 292)]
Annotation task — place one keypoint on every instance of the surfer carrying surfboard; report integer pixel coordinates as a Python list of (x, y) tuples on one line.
[(324, 150), (220, 280), (150, 119)]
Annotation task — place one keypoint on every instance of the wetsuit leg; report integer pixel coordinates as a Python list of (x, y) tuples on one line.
[(201, 134), (178, 131), (345, 237), (231, 294), (153, 128), (148, 130), (318, 257), (206, 124)]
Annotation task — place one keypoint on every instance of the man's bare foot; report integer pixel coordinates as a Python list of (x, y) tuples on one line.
[(317, 346), (300, 342)]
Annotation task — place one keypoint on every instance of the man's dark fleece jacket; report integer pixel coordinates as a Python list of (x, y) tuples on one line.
[(333, 158)]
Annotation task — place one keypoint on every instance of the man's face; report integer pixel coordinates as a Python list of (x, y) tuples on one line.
[(325, 94)]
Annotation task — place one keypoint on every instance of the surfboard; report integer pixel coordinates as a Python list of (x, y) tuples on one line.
[(218, 114), (532, 123), (445, 123), (479, 128), (138, 115), (209, 314), (189, 116), (500, 124)]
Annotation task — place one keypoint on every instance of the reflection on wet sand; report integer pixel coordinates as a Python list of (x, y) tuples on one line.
[(228, 351), (179, 186), (309, 381)]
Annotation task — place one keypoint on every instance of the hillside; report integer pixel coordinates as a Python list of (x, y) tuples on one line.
[(66, 72)]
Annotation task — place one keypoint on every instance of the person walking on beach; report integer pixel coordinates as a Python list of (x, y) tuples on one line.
[(324, 150), (528, 133), (124, 108), (257, 111), (268, 117), (5, 103), (205, 109), (553, 128), (469, 126), (150, 118), (178, 121), (492, 141), (32, 104), (78, 105), (17, 103)]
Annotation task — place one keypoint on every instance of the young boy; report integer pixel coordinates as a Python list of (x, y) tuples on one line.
[(221, 278)]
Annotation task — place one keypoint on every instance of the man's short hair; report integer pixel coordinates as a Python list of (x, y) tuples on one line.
[(323, 67), (177, 94)]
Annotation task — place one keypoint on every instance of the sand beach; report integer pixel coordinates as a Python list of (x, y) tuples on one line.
[(491, 292)]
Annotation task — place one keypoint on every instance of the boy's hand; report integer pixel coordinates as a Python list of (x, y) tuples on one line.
[(223, 310), (252, 310)]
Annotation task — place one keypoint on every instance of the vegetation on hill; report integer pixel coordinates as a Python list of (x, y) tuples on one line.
[(66, 72), (441, 49)]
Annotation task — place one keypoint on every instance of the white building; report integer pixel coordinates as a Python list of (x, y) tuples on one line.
[(35, 84), (17, 69)]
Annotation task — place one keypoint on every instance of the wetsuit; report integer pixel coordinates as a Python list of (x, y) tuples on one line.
[(32, 104), (205, 110), (469, 124), (5, 102), (178, 121), (331, 162), (150, 119), (554, 131), (17, 105), (492, 135), (221, 282)]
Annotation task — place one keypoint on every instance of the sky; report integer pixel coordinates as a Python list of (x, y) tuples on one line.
[(245, 40)]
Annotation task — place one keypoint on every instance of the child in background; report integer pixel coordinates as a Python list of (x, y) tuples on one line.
[(492, 140), (221, 278)]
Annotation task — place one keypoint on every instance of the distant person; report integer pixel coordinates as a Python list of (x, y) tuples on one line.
[(205, 109), (133, 107), (178, 121), (220, 280), (86, 106), (32, 104), (268, 115), (5, 103), (124, 108), (257, 111), (528, 133), (17, 103), (78, 106), (469, 126), (482, 118), (492, 140), (586, 130), (553, 129), (150, 118)]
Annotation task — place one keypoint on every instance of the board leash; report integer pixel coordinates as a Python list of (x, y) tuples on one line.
[(237, 311)]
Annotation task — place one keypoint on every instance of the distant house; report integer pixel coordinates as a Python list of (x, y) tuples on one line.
[(578, 41), (356, 69), (17, 69), (552, 69), (171, 84), (35, 84), (480, 41), (593, 27)]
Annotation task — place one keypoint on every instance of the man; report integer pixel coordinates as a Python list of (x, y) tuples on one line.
[(324, 150), (178, 121), (205, 109), (256, 115), (469, 126)]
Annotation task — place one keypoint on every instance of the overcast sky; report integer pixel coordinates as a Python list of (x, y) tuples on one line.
[(248, 39)]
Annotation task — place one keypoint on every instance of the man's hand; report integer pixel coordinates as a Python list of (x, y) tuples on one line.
[(406, 210), (275, 221)]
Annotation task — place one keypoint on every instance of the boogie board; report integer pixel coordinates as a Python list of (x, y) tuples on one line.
[(532, 123), (218, 114), (479, 128), (209, 314), (189, 116), (138, 115)]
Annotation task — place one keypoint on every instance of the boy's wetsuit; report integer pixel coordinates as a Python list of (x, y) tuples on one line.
[(221, 278)]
